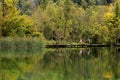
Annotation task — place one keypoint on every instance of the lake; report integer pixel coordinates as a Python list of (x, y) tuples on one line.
[(61, 64)]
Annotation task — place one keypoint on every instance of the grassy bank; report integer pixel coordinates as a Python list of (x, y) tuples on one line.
[(21, 44)]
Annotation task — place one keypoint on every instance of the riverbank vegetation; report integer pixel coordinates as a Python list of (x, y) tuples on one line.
[(61, 21), (21, 45)]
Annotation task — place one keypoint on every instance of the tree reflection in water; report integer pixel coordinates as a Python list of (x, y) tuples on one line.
[(63, 64)]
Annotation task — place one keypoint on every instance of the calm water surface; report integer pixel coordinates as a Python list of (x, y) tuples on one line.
[(61, 64)]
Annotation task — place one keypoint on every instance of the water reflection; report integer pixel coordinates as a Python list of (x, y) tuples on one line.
[(85, 51), (62, 64)]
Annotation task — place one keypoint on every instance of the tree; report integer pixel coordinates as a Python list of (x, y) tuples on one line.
[(113, 22), (68, 10), (45, 20), (26, 6), (15, 24), (1, 19), (93, 25), (8, 8), (84, 4), (18, 25), (117, 9), (116, 20)]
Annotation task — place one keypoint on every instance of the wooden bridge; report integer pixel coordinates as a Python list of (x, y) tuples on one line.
[(82, 45)]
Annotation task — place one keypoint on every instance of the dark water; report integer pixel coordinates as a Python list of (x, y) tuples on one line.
[(61, 64)]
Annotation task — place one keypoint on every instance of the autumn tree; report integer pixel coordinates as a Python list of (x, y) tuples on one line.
[(113, 22), (15, 24), (93, 25), (1, 19)]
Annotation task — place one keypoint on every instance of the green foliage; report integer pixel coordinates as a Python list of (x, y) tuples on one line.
[(15, 24), (1, 19), (117, 9), (18, 25), (61, 20), (113, 23), (26, 7)]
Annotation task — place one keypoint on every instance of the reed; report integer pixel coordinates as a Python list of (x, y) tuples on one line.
[(21, 44)]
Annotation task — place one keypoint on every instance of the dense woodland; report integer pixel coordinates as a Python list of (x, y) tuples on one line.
[(61, 20)]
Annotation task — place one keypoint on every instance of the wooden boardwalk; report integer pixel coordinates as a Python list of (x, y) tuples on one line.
[(82, 45)]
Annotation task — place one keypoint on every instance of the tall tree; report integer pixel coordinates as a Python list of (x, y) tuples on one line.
[(26, 6), (1, 19), (116, 20), (113, 22)]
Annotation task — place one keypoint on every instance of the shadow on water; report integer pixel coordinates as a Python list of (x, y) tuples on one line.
[(61, 64)]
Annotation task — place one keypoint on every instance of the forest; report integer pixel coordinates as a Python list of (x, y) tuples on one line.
[(61, 21)]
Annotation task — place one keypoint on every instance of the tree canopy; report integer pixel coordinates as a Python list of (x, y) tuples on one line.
[(61, 20)]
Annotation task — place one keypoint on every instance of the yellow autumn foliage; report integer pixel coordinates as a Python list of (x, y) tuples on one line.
[(109, 15)]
